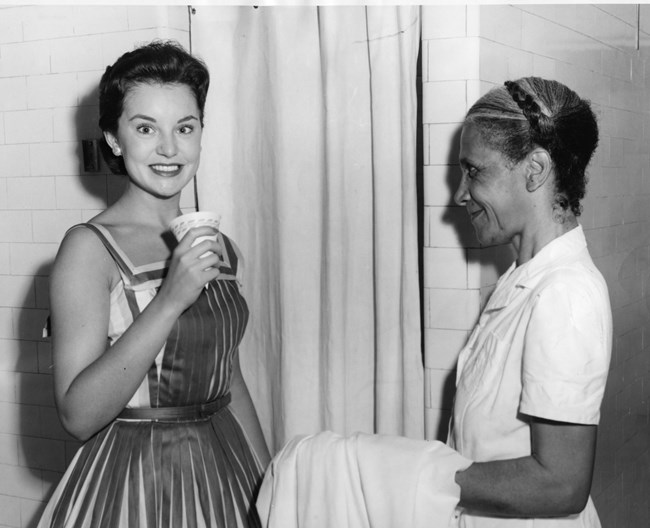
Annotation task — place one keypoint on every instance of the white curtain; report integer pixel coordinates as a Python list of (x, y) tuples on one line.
[(309, 155)]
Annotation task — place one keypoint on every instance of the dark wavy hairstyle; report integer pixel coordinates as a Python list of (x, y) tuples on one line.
[(160, 62), (533, 112)]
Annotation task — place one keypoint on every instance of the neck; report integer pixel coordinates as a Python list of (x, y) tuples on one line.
[(531, 242), (145, 209)]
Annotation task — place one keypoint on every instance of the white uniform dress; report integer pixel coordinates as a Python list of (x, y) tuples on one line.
[(541, 348)]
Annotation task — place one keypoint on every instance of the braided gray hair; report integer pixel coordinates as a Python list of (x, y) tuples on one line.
[(533, 112)]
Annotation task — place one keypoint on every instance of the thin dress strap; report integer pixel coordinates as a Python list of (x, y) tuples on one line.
[(111, 246)]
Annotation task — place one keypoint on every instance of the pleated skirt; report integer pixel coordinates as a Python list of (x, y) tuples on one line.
[(153, 475)]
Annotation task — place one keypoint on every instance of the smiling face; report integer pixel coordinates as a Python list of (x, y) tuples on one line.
[(492, 189), (159, 137)]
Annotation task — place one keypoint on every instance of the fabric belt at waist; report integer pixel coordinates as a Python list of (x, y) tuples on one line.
[(188, 413)]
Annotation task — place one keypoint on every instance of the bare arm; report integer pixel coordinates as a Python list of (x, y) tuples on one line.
[(92, 384), (242, 406), (554, 481)]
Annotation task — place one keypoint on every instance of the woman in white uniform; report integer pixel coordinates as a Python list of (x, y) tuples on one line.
[(532, 375)]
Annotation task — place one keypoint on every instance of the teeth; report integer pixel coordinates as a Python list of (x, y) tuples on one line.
[(165, 168)]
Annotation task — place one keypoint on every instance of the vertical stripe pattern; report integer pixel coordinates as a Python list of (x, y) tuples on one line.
[(150, 475)]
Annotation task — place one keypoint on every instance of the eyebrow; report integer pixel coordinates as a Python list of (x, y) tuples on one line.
[(148, 118)]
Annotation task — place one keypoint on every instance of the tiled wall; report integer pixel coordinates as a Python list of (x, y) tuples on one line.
[(593, 49), (51, 59)]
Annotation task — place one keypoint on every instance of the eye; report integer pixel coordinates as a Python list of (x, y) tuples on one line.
[(186, 129), (145, 129), (470, 170)]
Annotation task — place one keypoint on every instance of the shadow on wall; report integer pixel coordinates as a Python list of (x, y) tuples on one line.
[(45, 448), (102, 186), (42, 441), (492, 262)]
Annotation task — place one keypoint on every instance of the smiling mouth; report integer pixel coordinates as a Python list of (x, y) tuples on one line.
[(475, 214), (167, 170)]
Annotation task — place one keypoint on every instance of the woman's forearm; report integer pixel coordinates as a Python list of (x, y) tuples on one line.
[(554, 481), (99, 392), (516, 488)]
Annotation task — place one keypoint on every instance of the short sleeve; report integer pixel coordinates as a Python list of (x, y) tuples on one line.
[(567, 350)]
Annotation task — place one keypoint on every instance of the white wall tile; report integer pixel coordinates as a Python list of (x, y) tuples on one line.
[(451, 309), (50, 226), (444, 21), (443, 143), (440, 182), (502, 23), (7, 387), (10, 514), (11, 25), (47, 22), (81, 192), (76, 54), (25, 58), (448, 227), (486, 265), (73, 124), (446, 268), (21, 481), (42, 291), (32, 259), (36, 389), (3, 193), (66, 153), (50, 91), (14, 94), (6, 326), (17, 291), (28, 126), (8, 449), (444, 102), (17, 226), (442, 347), (100, 19), (5, 263), (493, 68), (18, 356), (29, 323), (44, 355), (465, 63), (31, 193), (14, 160), (441, 384), (42, 453)]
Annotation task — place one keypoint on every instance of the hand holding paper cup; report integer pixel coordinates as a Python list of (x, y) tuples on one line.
[(182, 224)]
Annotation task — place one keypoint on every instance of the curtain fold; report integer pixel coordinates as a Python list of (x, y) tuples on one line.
[(309, 155)]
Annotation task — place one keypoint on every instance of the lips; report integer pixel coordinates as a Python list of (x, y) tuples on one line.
[(166, 170), (475, 214)]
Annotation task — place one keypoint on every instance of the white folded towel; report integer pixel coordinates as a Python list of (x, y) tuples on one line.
[(362, 481)]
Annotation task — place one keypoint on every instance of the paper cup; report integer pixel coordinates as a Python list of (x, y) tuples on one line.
[(182, 224)]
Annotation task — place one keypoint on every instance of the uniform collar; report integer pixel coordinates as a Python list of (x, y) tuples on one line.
[(528, 275)]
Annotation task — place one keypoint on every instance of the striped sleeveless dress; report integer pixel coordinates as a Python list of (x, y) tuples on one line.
[(187, 473)]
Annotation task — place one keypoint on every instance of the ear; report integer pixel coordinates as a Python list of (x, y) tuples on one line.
[(539, 167), (112, 142)]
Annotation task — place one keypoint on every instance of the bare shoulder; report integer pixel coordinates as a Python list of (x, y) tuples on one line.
[(83, 254)]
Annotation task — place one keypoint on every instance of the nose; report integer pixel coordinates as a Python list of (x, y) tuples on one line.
[(167, 145), (461, 196)]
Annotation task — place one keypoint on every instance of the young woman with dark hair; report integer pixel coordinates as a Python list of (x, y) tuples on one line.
[(146, 366)]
